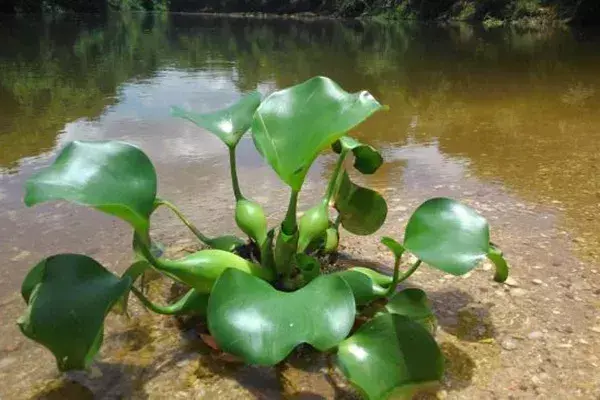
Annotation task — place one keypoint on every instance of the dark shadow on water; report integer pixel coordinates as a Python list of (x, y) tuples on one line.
[(460, 315), (459, 367), (66, 390)]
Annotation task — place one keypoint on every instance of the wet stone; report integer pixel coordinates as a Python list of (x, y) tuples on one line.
[(7, 362), (535, 335), (509, 344)]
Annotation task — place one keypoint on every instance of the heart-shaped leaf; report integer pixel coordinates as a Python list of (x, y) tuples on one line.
[(67, 306), (229, 124), (114, 177), (366, 284), (367, 160), (414, 304), (390, 354), (495, 255), (292, 126), (363, 210), (250, 319), (447, 235)]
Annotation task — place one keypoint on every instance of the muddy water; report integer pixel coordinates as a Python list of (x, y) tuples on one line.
[(506, 120)]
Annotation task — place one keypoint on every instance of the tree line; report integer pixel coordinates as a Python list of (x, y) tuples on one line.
[(584, 11)]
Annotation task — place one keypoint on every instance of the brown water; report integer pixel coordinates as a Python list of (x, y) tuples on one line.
[(506, 119)]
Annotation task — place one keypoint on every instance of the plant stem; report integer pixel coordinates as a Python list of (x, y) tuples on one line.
[(334, 177), (289, 224), (192, 227), (337, 222), (397, 278), (234, 178)]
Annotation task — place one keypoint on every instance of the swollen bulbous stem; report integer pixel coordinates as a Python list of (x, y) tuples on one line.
[(313, 224), (234, 178), (250, 218)]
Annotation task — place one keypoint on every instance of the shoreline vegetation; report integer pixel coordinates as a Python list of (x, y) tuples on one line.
[(492, 13)]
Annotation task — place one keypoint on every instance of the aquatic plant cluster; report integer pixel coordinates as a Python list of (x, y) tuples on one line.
[(263, 296)]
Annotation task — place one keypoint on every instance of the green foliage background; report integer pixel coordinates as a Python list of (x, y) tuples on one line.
[(501, 10)]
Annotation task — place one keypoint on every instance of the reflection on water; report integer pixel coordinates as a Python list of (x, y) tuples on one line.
[(512, 108)]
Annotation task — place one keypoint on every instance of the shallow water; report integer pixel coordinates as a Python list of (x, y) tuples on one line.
[(507, 116)]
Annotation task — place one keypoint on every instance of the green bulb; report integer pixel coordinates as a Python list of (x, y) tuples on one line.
[(250, 218), (313, 223)]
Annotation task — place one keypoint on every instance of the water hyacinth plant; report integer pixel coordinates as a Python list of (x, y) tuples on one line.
[(260, 306)]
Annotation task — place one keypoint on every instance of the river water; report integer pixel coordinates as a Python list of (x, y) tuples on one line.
[(514, 110)]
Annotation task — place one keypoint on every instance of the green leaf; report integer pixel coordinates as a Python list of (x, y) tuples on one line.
[(250, 319), (447, 235), (367, 160), (394, 246), (229, 124), (366, 284), (363, 210), (67, 307), (412, 303), (390, 354), (292, 126), (114, 177), (495, 255)]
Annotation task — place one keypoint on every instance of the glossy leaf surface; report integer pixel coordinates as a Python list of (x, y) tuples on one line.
[(367, 160), (229, 124), (114, 177), (447, 235), (226, 243), (495, 255), (250, 319), (67, 306), (390, 354), (412, 303), (366, 284), (363, 210), (292, 126)]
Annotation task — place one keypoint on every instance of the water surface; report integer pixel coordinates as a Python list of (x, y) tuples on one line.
[(515, 109)]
